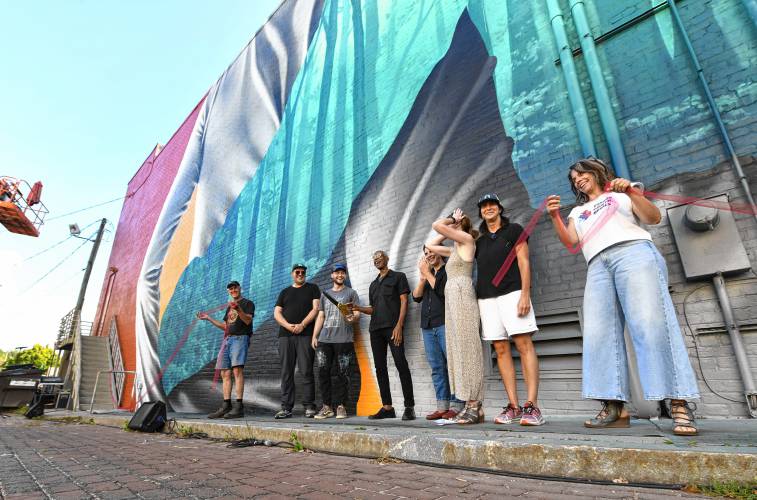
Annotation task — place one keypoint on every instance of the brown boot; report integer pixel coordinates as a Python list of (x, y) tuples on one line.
[(223, 410), (609, 417)]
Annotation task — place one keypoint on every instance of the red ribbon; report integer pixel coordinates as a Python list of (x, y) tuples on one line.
[(742, 208)]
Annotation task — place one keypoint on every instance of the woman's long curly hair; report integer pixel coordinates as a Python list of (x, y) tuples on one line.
[(601, 172), (467, 226)]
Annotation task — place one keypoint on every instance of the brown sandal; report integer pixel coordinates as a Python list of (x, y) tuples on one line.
[(609, 417), (683, 418), (472, 414)]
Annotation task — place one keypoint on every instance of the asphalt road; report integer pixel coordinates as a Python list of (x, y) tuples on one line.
[(44, 459)]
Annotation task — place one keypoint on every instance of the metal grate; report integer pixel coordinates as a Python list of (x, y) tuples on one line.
[(116, 361)]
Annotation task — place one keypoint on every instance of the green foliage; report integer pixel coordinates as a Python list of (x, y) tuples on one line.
[(39, 356), (296, 444), (728, 490)]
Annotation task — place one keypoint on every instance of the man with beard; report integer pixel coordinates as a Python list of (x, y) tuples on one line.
[(295, 312), (237, 326), (388, 307), (332, 340)]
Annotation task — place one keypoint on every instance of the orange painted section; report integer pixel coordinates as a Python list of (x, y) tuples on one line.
[(177, 256), (369, 400), (145, 196)]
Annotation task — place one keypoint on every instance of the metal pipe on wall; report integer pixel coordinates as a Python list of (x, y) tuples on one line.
[(577, 104), (751, 7), (713, 105), (750, 393), (601, 96)]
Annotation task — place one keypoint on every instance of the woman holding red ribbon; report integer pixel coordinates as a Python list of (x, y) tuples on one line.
[(626, 283)]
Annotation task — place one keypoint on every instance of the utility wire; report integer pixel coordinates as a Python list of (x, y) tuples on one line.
[(48, 248), (86, 208), (56, 266)]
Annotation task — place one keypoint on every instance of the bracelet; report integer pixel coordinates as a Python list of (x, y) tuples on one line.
[(452, 219)]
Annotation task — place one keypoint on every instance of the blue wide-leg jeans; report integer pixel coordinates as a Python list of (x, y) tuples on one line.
[(628, 284)]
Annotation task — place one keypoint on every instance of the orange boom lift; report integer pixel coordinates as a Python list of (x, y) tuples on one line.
[(21, 210)]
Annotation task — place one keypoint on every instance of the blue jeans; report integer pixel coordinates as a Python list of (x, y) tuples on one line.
[(436, 354), (628, 284), (233, 351)]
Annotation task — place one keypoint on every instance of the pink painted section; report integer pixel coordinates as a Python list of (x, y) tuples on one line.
[(146, 194)]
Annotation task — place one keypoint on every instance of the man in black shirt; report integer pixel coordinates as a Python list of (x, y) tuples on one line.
[(295, 312), (388, 307), (237, 327), (430, 293), (506, 311)]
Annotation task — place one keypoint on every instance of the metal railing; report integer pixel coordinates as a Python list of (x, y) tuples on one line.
[(13, 189), (97, 380), (68, 324), (116, 361)]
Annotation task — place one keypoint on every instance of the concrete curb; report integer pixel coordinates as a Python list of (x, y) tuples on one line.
[(503, 454)]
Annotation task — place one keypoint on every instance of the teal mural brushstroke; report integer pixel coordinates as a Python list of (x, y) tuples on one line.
[(287, 175)]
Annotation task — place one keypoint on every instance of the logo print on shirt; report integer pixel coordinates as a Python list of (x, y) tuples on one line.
[(585, 215)]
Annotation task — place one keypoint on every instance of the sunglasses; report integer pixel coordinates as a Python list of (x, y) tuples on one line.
[(299, 273)]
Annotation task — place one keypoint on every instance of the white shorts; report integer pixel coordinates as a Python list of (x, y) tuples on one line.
[(500, 320)]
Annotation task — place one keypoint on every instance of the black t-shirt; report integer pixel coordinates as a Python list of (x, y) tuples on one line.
[(432, 301), (384, 295), (491, 251), (235, 324), (296, 303)]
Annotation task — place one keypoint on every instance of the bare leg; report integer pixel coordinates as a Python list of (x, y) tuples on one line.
[(529, 363), (226, 376), (506, 369), (238, 381)]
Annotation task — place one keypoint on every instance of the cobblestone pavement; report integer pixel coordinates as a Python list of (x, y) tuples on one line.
[(45, 459)]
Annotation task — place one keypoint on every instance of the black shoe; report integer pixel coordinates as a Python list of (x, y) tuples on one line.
[(310, 412), (220, 412), (383, 413), (409, 413), (283, 414), (237, 410)]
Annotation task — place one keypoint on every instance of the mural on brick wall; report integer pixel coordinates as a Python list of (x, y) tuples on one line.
[(343, 110)]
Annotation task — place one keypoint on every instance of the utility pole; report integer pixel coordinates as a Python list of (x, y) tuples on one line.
[(90, 263)]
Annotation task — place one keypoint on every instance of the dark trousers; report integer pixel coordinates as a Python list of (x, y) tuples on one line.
[(296, 350), (325, 354), (380, 339)]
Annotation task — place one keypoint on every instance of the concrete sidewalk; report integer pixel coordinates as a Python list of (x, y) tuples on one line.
[(648, 452)]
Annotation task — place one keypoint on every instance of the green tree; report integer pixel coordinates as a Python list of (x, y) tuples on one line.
[(39, 356)]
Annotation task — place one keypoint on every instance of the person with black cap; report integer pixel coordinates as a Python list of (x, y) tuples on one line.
[(237, 327), (505, 309), (295, 312), (333, 340)]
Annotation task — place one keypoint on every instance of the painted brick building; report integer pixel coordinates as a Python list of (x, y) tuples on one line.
[(345, 127)]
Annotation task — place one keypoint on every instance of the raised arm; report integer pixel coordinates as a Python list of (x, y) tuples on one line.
[(645, 210), (567, 235), (449, 227), (436, 245), (205, 317)]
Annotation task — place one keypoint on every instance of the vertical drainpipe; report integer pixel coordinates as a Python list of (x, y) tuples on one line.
[(751, 7), (571, 79), (713, 105), (602, 97)]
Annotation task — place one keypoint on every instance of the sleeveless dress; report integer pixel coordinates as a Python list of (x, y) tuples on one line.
[(464, 354)]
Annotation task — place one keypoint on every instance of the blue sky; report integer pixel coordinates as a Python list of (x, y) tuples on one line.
[(89, 87)]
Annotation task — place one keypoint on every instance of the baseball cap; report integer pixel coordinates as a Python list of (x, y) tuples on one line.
[(298, 265), (339, 267), (490, 197), (233, 283)]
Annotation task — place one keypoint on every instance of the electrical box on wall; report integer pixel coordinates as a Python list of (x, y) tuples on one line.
[(708, 240)]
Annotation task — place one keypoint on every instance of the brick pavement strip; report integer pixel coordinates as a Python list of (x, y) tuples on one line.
[(47, 459)]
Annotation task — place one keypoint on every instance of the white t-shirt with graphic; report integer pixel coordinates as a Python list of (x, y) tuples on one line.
[(618, 227)]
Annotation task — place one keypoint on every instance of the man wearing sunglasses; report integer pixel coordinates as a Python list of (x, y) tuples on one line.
[(295, 312), (237, 326)]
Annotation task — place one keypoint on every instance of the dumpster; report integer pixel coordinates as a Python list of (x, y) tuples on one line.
[(18, 384)]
